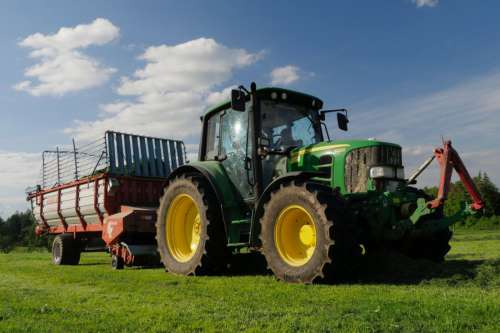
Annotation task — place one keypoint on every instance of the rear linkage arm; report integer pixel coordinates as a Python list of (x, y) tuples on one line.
[(448, 160)]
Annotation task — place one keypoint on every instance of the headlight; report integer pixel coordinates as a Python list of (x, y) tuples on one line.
[(382, 172), (400, 173)]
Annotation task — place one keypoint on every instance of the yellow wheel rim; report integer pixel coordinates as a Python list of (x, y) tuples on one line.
[(295, 235), (183, 228)]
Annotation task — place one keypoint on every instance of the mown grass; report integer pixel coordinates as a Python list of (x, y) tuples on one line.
[(394, 295)]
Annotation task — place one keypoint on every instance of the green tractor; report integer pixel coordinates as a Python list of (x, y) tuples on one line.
[(268, 180)]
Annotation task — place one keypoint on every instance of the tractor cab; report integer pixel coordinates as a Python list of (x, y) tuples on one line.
[(286, 120)]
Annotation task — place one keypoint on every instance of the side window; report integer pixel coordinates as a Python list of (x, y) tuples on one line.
[(234, 132), (213, 126), (236, 148)]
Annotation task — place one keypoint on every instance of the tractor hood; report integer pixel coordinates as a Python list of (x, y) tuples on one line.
[(346, 163), (336, 148)]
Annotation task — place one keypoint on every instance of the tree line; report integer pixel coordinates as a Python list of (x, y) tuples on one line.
[(19, 228), (458, 194)]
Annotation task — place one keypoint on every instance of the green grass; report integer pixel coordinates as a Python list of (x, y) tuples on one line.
[(462, 294)]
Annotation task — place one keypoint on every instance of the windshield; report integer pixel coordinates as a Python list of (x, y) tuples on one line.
[(286, 125)]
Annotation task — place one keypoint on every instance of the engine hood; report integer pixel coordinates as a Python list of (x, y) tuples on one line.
[(340, 147)]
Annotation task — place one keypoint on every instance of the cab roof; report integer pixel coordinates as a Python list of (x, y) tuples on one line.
[(296, 96)]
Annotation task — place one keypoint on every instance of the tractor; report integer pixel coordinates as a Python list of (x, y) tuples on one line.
[(269, 179)]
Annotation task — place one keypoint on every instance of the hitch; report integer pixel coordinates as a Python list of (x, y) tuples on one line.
[(448, 160)]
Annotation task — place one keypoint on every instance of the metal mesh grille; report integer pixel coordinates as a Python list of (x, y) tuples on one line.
[(115, 153), (359, 161), (63, 165)]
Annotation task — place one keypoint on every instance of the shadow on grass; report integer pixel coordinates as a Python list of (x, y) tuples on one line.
[(398, 269), (392, 268), (94, 263)]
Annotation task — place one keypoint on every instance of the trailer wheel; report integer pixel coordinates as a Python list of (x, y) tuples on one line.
[(304, 234), (117, 262), (189, 230), (66, 250)]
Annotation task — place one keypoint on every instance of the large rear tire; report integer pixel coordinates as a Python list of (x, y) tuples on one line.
[(304, 233), (189, 230), (66, 250)]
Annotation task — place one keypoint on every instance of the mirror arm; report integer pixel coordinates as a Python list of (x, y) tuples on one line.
[(326, 130), (334, 110)]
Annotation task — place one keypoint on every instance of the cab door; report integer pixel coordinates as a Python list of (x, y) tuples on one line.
[(235, 150)]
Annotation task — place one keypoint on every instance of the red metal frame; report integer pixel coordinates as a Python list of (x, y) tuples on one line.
[(77, 207), (96, 200), (133, 191), (75, 228), (448, 160), (59, 213), (44, 220)]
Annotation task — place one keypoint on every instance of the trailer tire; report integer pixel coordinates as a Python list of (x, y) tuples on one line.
[(305, 235), (189, 231), (66, 250), (117, 262)]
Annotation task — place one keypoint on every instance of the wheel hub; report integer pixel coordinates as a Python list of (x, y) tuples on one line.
[(183, 228), (295, 235)]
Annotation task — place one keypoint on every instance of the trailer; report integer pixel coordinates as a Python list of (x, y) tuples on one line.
[(102, 196)]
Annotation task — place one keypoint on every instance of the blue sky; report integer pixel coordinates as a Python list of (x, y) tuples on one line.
[(409, 71)]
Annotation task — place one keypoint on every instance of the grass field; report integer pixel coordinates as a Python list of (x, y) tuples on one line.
[(463, 294)]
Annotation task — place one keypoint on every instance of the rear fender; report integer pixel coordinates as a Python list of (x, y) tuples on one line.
[(228, 200)]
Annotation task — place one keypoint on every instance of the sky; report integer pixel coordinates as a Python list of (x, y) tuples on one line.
[(410, 72)]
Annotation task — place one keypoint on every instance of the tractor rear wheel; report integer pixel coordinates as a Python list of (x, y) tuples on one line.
[(304, 234), (189, 229), (66, 250)]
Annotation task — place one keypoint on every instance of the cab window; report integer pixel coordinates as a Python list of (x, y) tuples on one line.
[(213, 130)]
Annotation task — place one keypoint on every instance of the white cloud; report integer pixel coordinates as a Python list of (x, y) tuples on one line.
[(171, 91), (425, 3), (217, 97), (62, 67), (285, 75), (18, 170)]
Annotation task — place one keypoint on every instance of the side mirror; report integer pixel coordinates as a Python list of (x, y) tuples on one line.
[(237, 100), (342, 121)]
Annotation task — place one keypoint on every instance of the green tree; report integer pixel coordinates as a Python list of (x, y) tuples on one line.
[(489, 192), (19, 230)]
